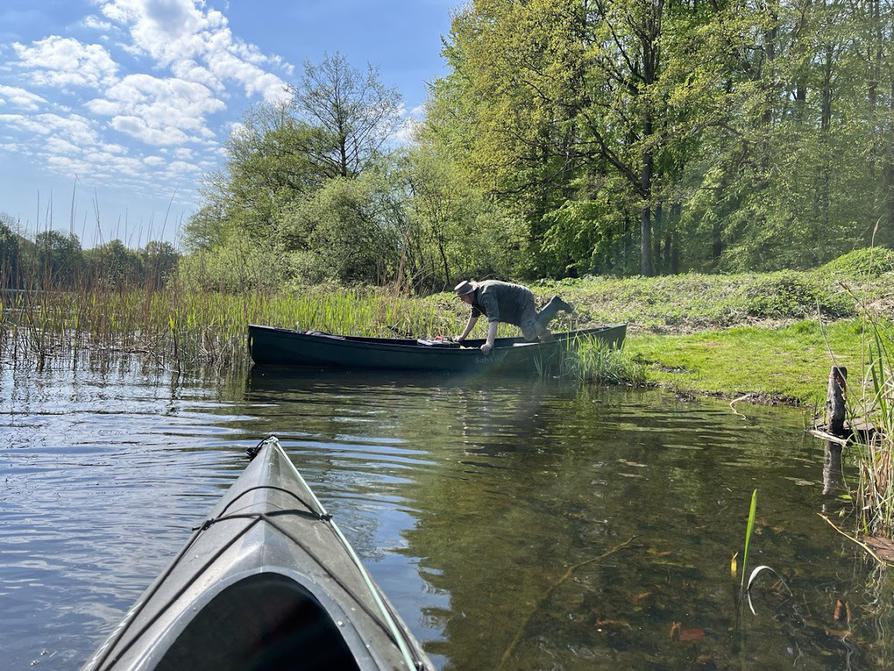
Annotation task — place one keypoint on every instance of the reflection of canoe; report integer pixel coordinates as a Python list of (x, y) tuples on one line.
[(271, 345), (268, 582)]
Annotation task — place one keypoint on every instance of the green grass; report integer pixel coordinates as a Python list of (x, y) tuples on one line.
[(790, 363)]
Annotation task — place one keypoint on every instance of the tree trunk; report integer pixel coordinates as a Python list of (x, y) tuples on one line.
[(716, 243), (676, 213), (657, 237), (886, 235), (645, 261), (825, 127)]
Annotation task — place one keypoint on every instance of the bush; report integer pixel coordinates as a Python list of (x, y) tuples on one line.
[(790, 294), (871, 261), (235, 266)]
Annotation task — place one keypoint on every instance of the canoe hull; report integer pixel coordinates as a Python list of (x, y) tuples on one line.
[(284, 347)]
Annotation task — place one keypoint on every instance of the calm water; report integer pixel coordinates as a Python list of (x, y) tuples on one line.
[(482, 508)]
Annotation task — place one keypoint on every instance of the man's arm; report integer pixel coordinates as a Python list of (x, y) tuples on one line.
[(469, 326), (491, 336)]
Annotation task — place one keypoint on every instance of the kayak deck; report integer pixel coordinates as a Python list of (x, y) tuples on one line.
[(267, 582)]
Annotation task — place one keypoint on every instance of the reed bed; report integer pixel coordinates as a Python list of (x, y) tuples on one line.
[(593, 361), (184, 329)]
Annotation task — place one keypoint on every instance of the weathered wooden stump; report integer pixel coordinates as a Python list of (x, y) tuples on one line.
[(835, 405)]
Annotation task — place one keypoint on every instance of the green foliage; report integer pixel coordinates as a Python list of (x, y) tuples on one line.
[(871, 402), (749, 530), (59, 258), (9, 254), (114, 266), (235, 265), (345, 232), (870, 262), (789, 294), (159, 260), (675, 136)]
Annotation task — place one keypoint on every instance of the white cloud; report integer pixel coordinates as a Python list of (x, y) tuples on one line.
[(138, 128), (195, 62), (74, 128), (57, 145), (410, 125), (156, 110), (197, 44), (63, 61), (182, 167), (19, 97), (113, 148), (97, 23)]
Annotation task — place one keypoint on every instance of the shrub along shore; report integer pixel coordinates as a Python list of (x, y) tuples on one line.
[(770, 337)]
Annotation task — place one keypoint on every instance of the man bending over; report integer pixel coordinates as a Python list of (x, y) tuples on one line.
[(508, 303)]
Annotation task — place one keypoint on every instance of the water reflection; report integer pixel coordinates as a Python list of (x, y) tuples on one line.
[(483, 507)]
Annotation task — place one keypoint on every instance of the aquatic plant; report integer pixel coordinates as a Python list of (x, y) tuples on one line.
[(186, 329), (872, 406), (592, 360), (749, 530)]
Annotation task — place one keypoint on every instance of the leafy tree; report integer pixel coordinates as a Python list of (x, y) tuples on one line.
[(353, 112), (346, 232), (59, 258), (159, 262), (9, 253), (114, 266)]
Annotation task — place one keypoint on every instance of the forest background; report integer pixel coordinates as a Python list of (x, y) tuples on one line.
[(569, 138)]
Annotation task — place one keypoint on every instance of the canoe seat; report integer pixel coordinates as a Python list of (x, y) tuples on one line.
[(324, 335), (438, 343), (266, 622)]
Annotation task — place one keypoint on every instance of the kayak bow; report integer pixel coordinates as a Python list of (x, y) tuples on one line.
[(267, 582)]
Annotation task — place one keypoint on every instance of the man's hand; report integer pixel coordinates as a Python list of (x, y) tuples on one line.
[(459, 339), (486, 348)]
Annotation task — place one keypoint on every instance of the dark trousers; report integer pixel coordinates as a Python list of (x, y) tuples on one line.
[(534, 324)]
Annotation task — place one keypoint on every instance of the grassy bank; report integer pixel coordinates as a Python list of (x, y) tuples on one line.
[(788, 364)]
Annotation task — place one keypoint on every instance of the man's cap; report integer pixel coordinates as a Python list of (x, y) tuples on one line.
[(464, 288)]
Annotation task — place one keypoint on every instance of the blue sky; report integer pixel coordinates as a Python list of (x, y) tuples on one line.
[(121, 106)]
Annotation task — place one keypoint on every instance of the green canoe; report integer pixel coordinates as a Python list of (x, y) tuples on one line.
[(277, 346), (267, 582)]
